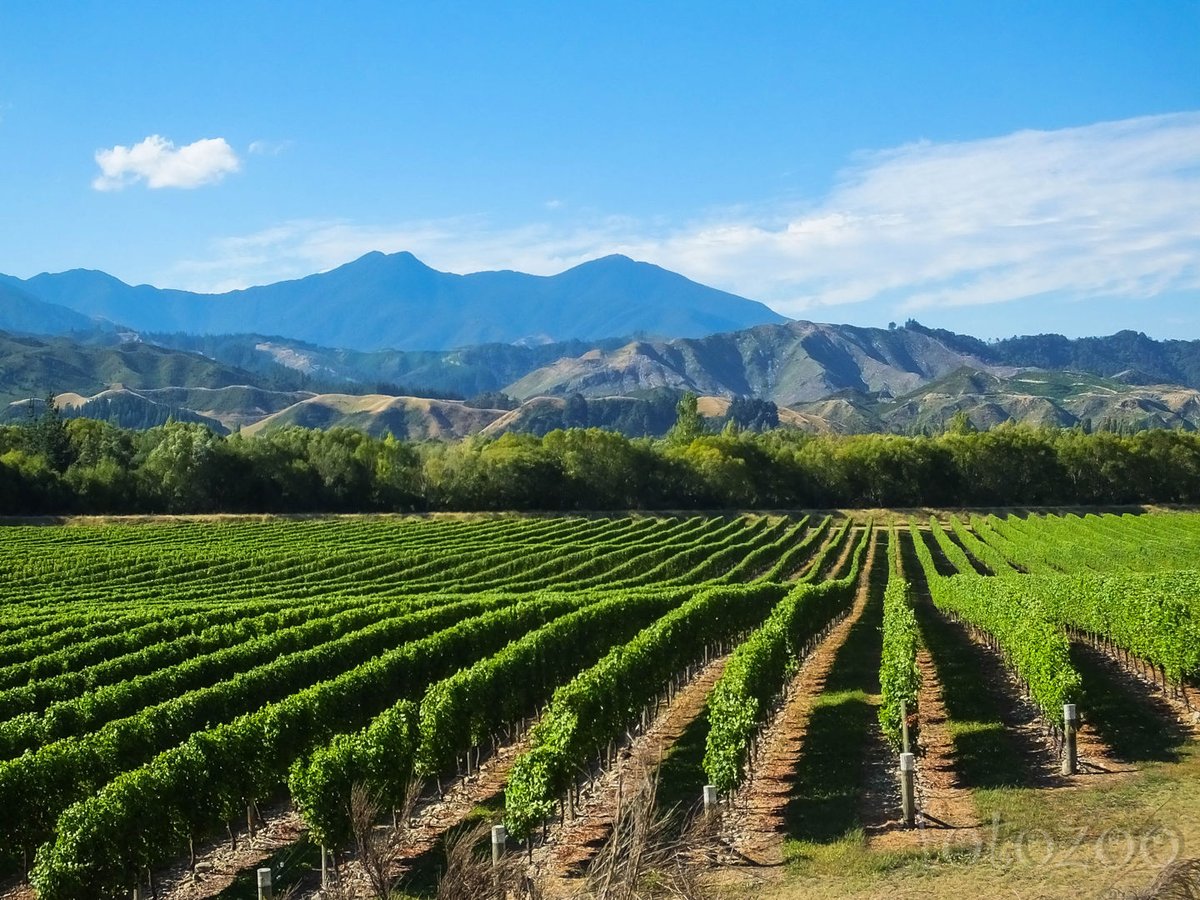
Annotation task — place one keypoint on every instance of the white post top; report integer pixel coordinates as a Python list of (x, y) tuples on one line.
[(499, 834), (908, 762), (1069, 713), (264, 877)]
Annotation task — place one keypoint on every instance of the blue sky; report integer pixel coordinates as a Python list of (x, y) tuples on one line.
[(992, 167)]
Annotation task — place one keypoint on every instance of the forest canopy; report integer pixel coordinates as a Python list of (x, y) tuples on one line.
[(49, 465)]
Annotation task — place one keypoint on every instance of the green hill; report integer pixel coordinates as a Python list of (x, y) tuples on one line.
[(37, 366)]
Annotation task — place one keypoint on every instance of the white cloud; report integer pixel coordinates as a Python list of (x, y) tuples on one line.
[(160, 164), (1106, 210)]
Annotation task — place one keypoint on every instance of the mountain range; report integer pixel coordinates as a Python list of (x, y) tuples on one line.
[(823, 378), (388, 344), (396, 301)]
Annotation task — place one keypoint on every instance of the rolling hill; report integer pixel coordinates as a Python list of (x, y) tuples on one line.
[(461, 373), (407, 418), (824, 378), (1032, 396), (1035, 397), (37, 366), (124, 407), (791, 363)]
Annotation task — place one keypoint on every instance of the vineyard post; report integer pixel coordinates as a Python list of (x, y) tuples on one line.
[(1070, 759), (499, 843), (710, 799), (265, 889), (324, 867), (908, 765)]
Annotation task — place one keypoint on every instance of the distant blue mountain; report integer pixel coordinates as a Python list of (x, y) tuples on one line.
[(396, 301), (23, 313)]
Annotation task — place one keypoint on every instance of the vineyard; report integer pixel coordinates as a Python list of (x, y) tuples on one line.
[(184, 702)]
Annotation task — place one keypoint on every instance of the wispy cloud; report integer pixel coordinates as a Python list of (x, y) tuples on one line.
[(1106, 210), (160, 164), (268, 148), (461, 244)]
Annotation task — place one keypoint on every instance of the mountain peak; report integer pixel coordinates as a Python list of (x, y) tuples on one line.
[(84, 276), (403, 256), (379, 258), (614, 261)]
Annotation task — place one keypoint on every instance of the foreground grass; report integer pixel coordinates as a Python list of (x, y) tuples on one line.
[(1091, 840)]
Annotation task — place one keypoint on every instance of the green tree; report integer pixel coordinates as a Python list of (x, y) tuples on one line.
[(688, 424), (340, 460), (601, 469), (397, 477), (94, 441), (719, 473), (753, 414), (28, 484), (48, 436), (181, 469), (960, 423)]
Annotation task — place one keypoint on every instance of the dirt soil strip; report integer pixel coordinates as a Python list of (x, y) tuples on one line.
[(879, 804), (16, 890), (941, 798), (432, 819), (754, 824), (571, 845), (942, 801), (435, 817), (217, 866)]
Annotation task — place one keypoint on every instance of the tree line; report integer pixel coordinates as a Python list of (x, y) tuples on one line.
[(54, 466)]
